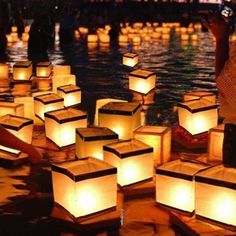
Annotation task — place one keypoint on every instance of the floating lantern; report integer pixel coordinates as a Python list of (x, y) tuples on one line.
[(25, 37), (215, 143), (47, 102), (184, 37), (133, 160), (44, 83), (136, 40), (4, 68), (60, 125), (190, 30), (44, 69), (142, 81), (121, 117), (175, 185), (27, 29), (194, 37), (103, 101), (71, 94), (104, 38), (158, 137), (92, 38), (156, 35), (14, 37), (20, 127), (183, 30), (61, 80), (87, 183), (202, 95), (130, 59), (9, 38), (22, 87), (22, 70), (11, 108), (14, 29), (197, 116), (83, 30), (165, 36), (90, 141), (216, 195), (123, 39), (61, 70)]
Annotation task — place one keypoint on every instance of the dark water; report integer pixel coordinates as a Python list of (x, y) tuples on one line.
[(180, 67)]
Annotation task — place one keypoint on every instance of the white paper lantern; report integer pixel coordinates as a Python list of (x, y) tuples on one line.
[(44, 69), (47, 102), (133, 160), (85, 186), (175, 185), (142, 81), (22, 70), (130, 59), (90, 141), (60, 125), (61, 80), (121, 117), (216, 195)]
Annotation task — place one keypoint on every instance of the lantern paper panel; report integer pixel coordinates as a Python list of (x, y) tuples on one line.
[(11, 108), (4, 77), (133, 160), (22, 70), (44, 83), (121, 117), (130, 59), (44, 69), (61, 70), (22, 88), (158, 137), (202, 95), (90, 141), (175, 186), (87, 183), (216, 189), (61, 80), (197, 116), (101, 102), (60, 125), (20, 127), (71, 94), (142, 81), (215, 143), (47, 102)]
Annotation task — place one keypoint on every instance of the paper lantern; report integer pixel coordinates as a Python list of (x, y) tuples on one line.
[(202, 95), (92, 38), (215, 143), (22, 70), (85, 186), (44, 69), (216, 195), (90, 141), (175, 185), (184, 37), (14, 29), (194, 37), (197, 116), (22, 87), (123, 39), (101, 102), (11, 108), (61, 80), (71, 94), (44, 83), (9, 38), (158, 137), (165, 36), (47, 102), (121, 117), (25, 37), (4, 68), (27, 29), (130, 59), (60, 125), (104, 38), (142, 81), (14, 37), (133, 160), (20, 127), (61, 70), (136, 40)]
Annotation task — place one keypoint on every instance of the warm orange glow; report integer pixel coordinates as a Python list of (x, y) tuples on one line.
[(3, 71), (21, 76)]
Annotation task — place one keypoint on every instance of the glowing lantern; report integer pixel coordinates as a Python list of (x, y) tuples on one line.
[(47, 102), (22, 70), (22, 87), (215, 143), (142, 81), (136, 40), (165, 36), (130, 59), (11, 108), (184, 37), (123, 39), (197, 116), (14, 29), (60, 125), (83, 30), (61, 80), (4, 71), (44, 83), (71, 94), (90, 141), (121, 117), (92, 38), (202, 95), (158, 137), (104, 38), (156, 35), (9, 38), (190, 30), (27, 29), (175, 185), (194, 37), (103, 101), (44, 69), (20, 127), (216, 195), (61, 70), (14, 37), (25, 37), (87, 183), (133, 160)]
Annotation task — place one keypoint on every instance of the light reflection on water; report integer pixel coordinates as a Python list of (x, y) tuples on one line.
[(180, 67)]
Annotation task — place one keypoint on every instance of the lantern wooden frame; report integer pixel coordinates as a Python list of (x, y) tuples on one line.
[(22, 70), (130, 59)]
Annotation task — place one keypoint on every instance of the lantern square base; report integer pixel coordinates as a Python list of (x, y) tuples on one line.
[(9, 160), (106, 221)]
